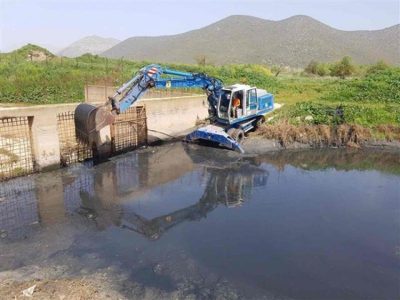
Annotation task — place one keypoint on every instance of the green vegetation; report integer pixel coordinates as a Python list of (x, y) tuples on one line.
[(56, 79), (369, 100), (62, 80), (379, 66), (371, 97), (317, 68), (342, 69), (381, 86), (330, 114)]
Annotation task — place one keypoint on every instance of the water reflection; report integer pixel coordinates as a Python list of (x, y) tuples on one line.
[(100, 193), (18, 206), (103, 193)]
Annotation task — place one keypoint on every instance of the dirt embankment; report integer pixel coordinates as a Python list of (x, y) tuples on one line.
[(52, 289), (287, 136)]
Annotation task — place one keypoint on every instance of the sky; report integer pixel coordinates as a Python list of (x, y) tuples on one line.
[(55, 24)]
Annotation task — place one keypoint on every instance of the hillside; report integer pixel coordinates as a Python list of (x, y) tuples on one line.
[(90, 44), (29, 52), (243, 39)]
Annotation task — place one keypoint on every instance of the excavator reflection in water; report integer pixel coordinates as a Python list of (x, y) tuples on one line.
[(228, 186)]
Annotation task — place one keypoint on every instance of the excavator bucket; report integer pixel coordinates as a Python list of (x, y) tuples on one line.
[(216, 135), (89, 119)]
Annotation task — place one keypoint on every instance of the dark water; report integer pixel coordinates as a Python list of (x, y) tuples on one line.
[(186, 222)]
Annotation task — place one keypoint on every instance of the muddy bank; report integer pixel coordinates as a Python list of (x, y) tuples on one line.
[(287, 136), (56, 289), (261, 145)]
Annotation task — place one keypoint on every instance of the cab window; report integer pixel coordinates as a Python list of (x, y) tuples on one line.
[(251, 99), (224, 104)]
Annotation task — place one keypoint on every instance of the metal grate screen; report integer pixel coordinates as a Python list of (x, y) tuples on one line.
[(129, 129), (127, 132), (71, 150), (16, 156)]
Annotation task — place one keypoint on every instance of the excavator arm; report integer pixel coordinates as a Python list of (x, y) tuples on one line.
[(90, 119)]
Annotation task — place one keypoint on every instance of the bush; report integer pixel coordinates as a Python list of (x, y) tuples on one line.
[(343, 68), (379, 66), (311, 67), (317, 68)]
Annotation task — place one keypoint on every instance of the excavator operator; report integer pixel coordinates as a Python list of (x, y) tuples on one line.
[(236, 104)]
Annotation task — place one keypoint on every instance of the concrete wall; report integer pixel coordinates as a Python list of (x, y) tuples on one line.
[(166, 118), (175, 116), (46, 146), (100, 93)]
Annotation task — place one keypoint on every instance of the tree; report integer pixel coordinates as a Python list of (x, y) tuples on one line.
[(201, 60), (343, 68), (277, 69), (312, 67)]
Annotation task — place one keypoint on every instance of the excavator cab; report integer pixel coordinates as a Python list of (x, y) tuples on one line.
[(230, 104), (240, 109), (241, 102)]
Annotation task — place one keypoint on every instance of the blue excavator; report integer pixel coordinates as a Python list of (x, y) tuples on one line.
[(233, 110)]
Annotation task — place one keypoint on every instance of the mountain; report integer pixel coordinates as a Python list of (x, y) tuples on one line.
[(243, 39), (90, 44)]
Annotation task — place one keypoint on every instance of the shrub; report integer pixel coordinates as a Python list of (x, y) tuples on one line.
[(311, 67), (379, 66), (317, 68), (343, 68)]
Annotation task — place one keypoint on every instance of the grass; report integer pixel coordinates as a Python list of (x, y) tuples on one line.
[(369, 100), (293, 89)]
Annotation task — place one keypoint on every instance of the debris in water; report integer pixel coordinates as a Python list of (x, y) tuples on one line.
[(3, 234), (157, 269), (29, 291)]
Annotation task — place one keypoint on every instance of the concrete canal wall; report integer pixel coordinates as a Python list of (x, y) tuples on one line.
[(166, 118)]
